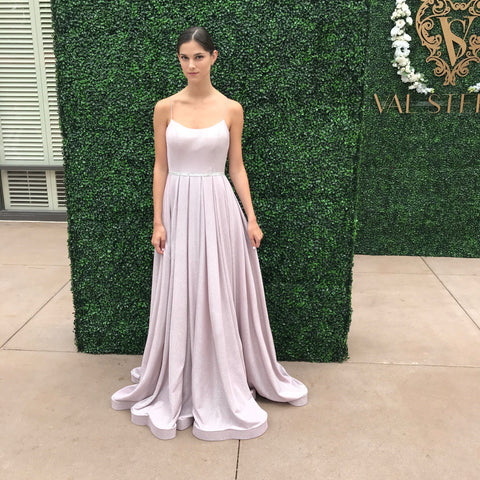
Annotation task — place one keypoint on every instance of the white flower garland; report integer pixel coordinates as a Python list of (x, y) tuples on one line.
[(400, 38), (402, 16)]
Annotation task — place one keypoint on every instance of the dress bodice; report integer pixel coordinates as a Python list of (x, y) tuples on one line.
[(197, 151)]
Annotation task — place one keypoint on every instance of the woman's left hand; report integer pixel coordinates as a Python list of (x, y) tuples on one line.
[(255, 234)]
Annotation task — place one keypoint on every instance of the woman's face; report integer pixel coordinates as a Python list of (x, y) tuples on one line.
[(195, 60)]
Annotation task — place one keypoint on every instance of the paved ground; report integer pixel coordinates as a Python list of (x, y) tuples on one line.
[(405, 406)]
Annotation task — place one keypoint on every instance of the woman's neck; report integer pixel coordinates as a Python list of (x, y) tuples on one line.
[(200, 91)]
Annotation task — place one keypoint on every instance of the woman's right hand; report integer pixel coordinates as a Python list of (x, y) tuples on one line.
[(158, 239)]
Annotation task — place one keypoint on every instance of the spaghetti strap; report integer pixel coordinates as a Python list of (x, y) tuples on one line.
[(171, 109), (226, 106)]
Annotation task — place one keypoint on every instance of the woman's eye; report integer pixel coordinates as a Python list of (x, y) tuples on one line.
[(199, 57)]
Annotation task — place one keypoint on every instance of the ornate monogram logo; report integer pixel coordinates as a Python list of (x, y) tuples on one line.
[(453, 45)]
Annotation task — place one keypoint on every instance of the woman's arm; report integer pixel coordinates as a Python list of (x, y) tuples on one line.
[(238, 174), (160, 172)]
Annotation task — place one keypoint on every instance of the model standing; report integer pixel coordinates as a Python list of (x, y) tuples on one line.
[(209, 345)]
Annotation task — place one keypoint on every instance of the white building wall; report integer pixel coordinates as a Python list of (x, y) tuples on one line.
[(30, 142)]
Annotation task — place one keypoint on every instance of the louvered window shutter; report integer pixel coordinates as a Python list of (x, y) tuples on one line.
[(30, 141)]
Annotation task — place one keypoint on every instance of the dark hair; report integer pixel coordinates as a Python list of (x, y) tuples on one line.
[(200, 35)]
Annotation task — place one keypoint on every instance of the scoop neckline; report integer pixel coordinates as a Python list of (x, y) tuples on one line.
[(203, 128)]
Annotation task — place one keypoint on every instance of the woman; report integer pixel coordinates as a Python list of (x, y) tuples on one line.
[(209, 347)]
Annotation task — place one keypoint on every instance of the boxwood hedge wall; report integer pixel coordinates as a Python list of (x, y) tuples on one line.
[(296, 68), (419, 181)]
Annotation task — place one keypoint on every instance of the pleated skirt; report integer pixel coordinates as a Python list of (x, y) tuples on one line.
[(209, 348)]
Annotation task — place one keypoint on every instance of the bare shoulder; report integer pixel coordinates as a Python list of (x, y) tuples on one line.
[(234, 114), (162, 110), (235, 108), (162, 107)]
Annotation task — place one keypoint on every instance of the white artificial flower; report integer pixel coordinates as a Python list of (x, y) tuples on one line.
[(400, 44), (422, 88), (405, 37), (408, 20), (397, 14), (395, 31), (400, 23), (401, 61), (474, 88), (402, 52)]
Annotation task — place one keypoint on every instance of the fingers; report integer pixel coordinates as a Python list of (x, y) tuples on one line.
[(157, 248), (255, 240), (159, 245)]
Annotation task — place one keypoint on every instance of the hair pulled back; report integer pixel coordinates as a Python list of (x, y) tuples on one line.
[(200, 35)]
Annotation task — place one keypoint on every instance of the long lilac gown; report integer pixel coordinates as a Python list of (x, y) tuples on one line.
[(209, 345)]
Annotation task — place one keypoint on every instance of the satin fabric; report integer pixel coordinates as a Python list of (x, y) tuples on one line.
[(209, 347)]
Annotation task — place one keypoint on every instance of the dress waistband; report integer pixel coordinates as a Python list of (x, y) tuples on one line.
[(187, 174)]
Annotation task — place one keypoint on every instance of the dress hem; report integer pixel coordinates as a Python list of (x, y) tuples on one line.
[(300, 402), (229, 434), (184, 423)]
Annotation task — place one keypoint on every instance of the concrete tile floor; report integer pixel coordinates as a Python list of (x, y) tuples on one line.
[(404, 406)]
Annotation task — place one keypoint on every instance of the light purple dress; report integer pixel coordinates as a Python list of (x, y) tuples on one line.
[(209, 345)]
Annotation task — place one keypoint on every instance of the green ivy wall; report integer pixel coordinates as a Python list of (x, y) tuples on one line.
[(296, 68), (419, 181)]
